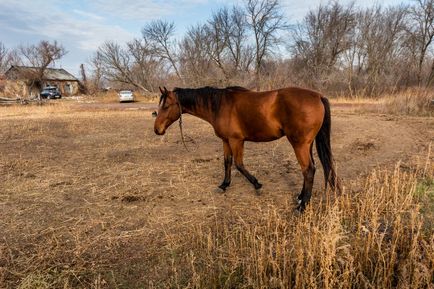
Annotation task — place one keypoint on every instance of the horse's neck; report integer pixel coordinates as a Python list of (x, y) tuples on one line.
[(200, 112)]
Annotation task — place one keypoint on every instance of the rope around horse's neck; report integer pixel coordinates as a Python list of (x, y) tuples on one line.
[(180, 125)]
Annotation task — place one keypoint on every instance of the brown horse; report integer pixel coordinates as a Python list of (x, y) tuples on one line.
[(238, 115)]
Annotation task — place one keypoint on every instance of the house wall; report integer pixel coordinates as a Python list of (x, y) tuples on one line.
[(14, 89), (19, 80), (66, 87), (19, 88)]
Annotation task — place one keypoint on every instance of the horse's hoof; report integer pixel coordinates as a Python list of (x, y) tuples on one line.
[(219, 190), (258, 186), (258, 192), (300, 208)]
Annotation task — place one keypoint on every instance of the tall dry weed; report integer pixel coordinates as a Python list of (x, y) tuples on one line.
[(414, 101), (371, 238)]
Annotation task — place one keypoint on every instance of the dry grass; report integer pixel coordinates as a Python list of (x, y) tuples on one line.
[(92, 199), (376, 237), (414, 101), (373, 238), (44, 109), (111, 96), (357, 99)]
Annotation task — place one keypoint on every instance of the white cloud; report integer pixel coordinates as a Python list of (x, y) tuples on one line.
[(88, 15), (137, 10), (145, 9), (81, 32), (86, 29)]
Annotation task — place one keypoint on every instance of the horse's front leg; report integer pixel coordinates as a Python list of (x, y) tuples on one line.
[(228, 165), (237, 147)]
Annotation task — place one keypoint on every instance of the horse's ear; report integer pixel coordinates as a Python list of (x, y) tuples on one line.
[(162, 92), (165, 89)]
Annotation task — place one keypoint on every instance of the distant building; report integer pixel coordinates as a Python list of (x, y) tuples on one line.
[(20, 81)]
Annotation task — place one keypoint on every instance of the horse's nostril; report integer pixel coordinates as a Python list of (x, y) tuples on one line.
[(158, 132)]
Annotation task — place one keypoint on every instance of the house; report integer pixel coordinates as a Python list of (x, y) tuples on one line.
[(25, 81)]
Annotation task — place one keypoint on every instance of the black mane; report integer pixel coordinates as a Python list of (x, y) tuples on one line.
[(207, 96)]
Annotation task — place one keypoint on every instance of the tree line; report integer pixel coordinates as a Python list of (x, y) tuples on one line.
[(337, 48)]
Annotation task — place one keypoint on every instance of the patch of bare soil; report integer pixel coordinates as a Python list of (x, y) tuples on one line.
[(93, 191)]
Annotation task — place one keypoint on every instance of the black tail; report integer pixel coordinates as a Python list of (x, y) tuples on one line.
[(324, 149)]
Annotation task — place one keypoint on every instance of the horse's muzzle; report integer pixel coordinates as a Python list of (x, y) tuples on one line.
[(157, 132)]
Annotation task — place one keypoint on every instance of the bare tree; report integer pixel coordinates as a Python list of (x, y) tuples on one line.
[(228, 42), (96, 79), (159, 35), (195, 60), (116, 63), (241, 51), (128, 65), (145, 63), (8, 57), (321, 39), (217, 31), (4, 58), (382, 33), (422, 31), (265, 20), (41, 56)]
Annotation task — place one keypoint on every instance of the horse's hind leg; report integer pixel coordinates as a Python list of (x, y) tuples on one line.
[(228, 165), (237, 147), (303, 152)]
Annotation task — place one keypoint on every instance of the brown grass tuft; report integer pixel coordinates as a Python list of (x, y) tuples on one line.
[(372, 238), (415, 101), (92, 199)]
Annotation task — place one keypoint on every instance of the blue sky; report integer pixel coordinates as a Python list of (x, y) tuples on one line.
[(81, 25)]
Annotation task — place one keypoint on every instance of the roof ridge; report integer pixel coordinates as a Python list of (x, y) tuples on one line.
[(50, 73), (26, 66)]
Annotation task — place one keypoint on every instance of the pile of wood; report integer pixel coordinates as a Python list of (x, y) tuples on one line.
[(6, 100)]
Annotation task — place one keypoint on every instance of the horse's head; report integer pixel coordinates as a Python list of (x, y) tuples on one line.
[(169, 111)]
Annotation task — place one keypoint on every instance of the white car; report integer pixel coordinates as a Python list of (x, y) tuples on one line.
[(126, 95)]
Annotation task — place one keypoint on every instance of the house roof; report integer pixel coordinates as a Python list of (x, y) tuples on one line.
[(24, 72)]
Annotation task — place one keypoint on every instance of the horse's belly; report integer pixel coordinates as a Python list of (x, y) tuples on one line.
[(263, 133)]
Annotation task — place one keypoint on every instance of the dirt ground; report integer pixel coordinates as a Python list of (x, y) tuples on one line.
[(84, 182)]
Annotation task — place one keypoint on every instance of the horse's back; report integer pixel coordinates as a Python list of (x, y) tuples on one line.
[(269, 115), (273, 103), (290, 95), (300, 96)]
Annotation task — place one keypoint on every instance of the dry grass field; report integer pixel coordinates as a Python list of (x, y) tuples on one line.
[(91, 198)]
